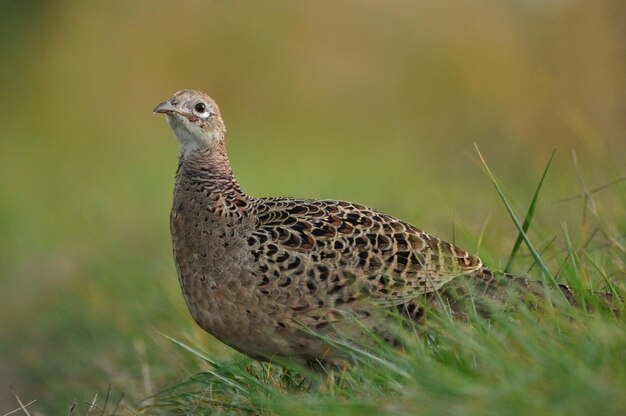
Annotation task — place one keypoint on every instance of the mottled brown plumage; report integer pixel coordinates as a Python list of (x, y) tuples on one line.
[(255, 271)]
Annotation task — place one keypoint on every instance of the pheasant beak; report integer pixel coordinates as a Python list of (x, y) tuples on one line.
[(165, 107)]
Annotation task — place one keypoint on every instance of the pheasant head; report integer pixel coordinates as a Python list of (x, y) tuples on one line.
[(195, 120)]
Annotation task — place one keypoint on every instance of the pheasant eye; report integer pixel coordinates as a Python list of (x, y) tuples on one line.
[(200, 107)]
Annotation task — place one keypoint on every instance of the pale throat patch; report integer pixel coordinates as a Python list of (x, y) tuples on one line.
[(190, 136)]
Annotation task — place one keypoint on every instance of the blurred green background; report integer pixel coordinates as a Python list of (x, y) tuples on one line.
[(371, 101)]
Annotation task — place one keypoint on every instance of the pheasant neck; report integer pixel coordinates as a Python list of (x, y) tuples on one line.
[(210, 169)]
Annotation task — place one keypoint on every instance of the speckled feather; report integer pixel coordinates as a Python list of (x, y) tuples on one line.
[(339, 252)]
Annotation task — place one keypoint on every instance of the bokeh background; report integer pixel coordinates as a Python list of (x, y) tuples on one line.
[(371, 101)]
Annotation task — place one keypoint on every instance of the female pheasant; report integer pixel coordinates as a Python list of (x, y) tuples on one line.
[(259, 273)]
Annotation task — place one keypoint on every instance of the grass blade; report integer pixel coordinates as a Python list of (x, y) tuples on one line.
[(203, 357), (546, 273), (529, 216)]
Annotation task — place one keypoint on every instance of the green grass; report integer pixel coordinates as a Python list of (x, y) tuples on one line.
[(570, 363)]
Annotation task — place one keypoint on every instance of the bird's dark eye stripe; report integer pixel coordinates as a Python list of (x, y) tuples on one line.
[(200, 107)]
